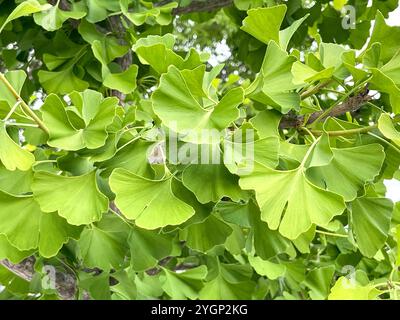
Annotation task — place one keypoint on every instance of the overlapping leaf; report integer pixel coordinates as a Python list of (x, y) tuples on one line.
[(81, 125), (151, 203)]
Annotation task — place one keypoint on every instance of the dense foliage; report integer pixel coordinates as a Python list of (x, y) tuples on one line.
[(114, 184)]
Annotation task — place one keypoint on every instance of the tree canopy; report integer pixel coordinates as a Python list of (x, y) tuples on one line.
[(199, 149)]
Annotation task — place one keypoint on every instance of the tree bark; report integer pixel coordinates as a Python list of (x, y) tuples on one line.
[(351, 105), (65, 282)]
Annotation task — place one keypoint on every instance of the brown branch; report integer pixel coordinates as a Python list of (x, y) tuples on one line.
[(351, 105), (125, 61), (65, 282), (202, 6)]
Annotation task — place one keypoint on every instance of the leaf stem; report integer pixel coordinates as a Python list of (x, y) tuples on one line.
[(12, 110), (332, 234), (340, 132), (309, 152), (314, 90), (24, 106)]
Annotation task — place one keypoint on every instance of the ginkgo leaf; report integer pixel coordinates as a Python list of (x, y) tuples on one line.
[(267, 243), (387, 36), (319, 281), (53, 18), (54, 233), (264, 23), (63, 194), (286, 35), (288, 200), (133, 157), (386, 126), (76, 130), (229, 284), (239, 158), (25, 8), (124, 81), (274, 84), (62, 82), (147, 247), (15, 182), (142, 14), (12, 155), (349, 289), (339, 176), (17, 79), (102, 249), (216, 182), (371, 223), (217, 230), (267, 268), (185, 284), (151, 203), (9, 252), (27, 227), (151, 48), (176, 103)]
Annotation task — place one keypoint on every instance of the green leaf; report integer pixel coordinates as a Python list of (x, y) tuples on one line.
[(386, 126), (133, 157), (274, 84), (371, 223), (149, 50), (346, 289), (15, 182), (176, 103), (62, 82), (147, 247), (217, 231), (388, 37), (239, 158), (319, 281), (380, 81), (266, 268), (11, 154), (25, 8), (82, 126), (267, 243), (124, 81), (216, 182), (231, 283), (186, 284), (8, 251), (53, 18), (98, 10), (151, 203), (64, 194), (339, 175), (17, 79), (287, 34), (102, 249), (27, 227), (305, 203), (264, 23), (148, 12)]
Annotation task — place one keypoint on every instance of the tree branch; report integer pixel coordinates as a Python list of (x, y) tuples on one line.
[(65, 282), (351, 105)]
